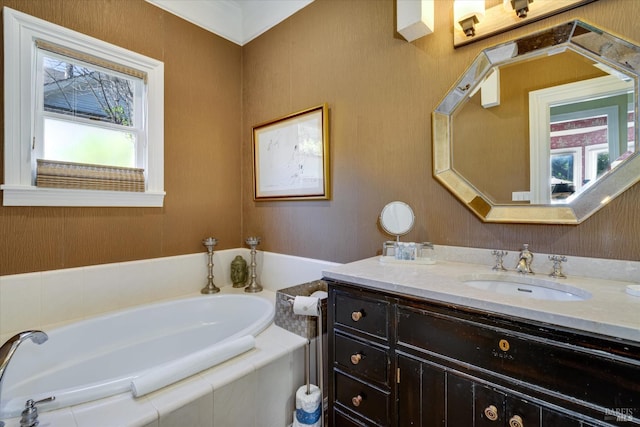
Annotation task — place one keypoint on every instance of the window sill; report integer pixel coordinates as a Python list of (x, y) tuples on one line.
[(17, 195)]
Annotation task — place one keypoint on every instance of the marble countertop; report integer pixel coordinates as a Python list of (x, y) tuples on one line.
[(609, 311)]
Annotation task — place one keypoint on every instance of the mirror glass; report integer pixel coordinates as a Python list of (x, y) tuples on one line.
[(397, 218), (542, 129)]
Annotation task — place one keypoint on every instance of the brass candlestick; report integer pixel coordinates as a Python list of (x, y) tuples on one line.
[(211, 288), (253, 285)]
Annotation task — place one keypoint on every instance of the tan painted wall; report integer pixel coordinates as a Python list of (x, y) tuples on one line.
[(202, 158), (381, 91)]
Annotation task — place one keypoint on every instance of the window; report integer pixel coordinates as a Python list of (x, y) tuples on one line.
[(83, 119), (579, 114), (565, 172)]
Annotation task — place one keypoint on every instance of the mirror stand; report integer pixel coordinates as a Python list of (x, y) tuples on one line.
[(397, 219)]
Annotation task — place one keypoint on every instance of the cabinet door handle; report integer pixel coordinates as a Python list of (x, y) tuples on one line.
[(356, 400), (516, 421), (491, 412), (356, 358), (356, 315)]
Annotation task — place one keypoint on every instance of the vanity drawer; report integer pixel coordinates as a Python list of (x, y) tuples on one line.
[(342, 420), (362, 359), (591, 376), (362, 399), (362, 314)]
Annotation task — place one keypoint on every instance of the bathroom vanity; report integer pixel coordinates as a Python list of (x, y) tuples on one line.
[(415, 346)]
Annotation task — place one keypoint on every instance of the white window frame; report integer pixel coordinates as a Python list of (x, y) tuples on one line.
[(591, 160), (20, 33)]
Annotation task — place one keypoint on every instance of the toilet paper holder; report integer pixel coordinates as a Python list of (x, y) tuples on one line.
[(310, 306)]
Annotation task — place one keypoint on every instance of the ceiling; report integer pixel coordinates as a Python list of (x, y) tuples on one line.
[(239, 21)]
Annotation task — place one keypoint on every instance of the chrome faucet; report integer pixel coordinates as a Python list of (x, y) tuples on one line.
[(524, 260), (9, 348)]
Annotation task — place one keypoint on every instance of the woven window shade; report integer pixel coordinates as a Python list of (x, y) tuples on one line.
[(55, 174), (91, 59)]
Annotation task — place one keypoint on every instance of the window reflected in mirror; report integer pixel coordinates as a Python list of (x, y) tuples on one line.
[(587, 140), (590, 131)]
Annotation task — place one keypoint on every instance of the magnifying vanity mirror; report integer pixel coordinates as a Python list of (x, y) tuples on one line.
[(542, 129), (397, 219)]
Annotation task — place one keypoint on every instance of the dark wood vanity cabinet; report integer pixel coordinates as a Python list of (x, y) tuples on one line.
[(395, 360)]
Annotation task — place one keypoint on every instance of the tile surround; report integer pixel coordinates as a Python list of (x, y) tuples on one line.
[(48, 299), (268, 375), (20, 303)]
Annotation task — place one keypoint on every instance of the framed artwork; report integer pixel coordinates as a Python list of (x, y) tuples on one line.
[(291, 157)]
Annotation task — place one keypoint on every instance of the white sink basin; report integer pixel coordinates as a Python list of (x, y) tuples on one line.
[(526, 286)]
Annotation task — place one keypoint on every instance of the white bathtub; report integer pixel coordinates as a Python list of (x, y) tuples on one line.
[(137, 350)]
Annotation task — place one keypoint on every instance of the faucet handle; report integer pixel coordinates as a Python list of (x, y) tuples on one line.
[(557, 266), (30, 413), (499, 265)]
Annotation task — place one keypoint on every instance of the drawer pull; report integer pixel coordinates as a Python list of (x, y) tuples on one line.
[(356, 400), (356, 315), (516, 421), (491, 412), (356, 358)]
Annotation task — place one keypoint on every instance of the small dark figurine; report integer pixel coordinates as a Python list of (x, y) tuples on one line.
[(239, 272)]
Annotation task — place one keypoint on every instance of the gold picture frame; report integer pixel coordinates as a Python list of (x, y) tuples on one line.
[(291, 157)]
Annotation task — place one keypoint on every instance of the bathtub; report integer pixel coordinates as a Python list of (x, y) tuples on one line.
[(137, 350)]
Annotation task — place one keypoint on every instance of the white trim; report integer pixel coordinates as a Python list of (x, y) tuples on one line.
[(540, 102), (20, 32), (591, 160), (235, 20), (27, 195)]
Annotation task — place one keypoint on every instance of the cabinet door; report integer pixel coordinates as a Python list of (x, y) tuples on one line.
[(522, 413), (488, 406), (552, 418), (421, 394), (460, 406)]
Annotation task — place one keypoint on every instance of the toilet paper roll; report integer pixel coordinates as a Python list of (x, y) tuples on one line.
[(320, 294), (306, 306), (308, 407)]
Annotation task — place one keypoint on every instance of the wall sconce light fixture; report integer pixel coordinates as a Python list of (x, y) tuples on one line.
[(414, 18), (521, 7), (501, 17), (468, 13)]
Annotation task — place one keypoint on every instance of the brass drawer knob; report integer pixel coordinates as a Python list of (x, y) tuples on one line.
[(491, 412), (516, 421), (356, 400), (356, 358), (356, 315)]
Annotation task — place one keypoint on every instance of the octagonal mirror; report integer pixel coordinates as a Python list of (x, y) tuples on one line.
[(542, 129)]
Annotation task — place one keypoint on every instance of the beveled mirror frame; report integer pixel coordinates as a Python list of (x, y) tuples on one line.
[(583, 38)]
